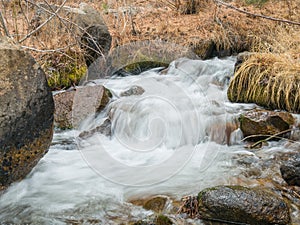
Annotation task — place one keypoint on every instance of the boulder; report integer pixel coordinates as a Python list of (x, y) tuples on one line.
[(290, 171), (72, 107), (26, 113), (137, 57), (236, 204), (265, 123), (96, 39)]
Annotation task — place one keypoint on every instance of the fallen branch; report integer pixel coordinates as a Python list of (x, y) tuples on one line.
[(189, 206), (256, 15), (269, 137), (47, 50)]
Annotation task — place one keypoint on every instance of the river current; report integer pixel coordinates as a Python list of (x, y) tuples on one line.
[(175, 139)]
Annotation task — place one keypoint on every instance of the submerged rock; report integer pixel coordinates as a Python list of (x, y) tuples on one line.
[(72, 107), (290, 171), (104, 128), (134, 90), (163, 220), (236, 204), (155, 203), (265, 123), (26, 113)]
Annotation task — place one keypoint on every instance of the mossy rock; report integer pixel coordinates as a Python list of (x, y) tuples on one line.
[(237, 204), (136, 57), (139, 67), (64, 78), (163, 220)]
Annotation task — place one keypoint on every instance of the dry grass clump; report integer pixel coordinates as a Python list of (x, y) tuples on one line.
[(271, 76), (268, 79)]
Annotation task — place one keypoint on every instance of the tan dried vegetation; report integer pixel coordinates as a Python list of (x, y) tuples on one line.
[(202, 25)]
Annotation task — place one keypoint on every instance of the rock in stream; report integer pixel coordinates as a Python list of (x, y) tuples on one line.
[(237, 204), (26, 113)]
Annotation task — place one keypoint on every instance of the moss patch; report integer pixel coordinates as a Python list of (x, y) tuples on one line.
[(163, 220), (67, 77)]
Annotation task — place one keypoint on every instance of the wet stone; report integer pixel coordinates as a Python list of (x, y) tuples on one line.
[(290, 171), (134, 90), (155, 203), (237, 204), (263, 123), (104, 128)]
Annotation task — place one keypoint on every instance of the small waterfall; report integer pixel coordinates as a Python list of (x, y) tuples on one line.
[(157, 133), (176, 138)]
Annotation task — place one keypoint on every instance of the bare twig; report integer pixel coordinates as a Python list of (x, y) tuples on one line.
[(256, 15), (24, 14), (189, 206), (4, 25), (66, 21), (44, 23), (269, 137), (47, 50)]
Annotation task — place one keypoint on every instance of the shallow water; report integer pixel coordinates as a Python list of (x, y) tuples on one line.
[(170, 140)]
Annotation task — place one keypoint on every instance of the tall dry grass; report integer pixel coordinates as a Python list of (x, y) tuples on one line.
[(271, 76)]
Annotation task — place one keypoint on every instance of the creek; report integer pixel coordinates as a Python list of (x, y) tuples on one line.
[(175, 139)]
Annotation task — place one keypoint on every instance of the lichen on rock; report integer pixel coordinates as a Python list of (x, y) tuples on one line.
[(26, 113)]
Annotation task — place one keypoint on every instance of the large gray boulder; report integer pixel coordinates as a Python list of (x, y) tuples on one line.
[(236, 204), (96, 39), (26, 113)]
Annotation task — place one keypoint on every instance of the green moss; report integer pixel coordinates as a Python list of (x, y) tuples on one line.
[(163, 220), (139, 67), (66, 77)]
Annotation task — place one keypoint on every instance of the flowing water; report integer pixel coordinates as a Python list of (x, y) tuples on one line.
[(175, 139)]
